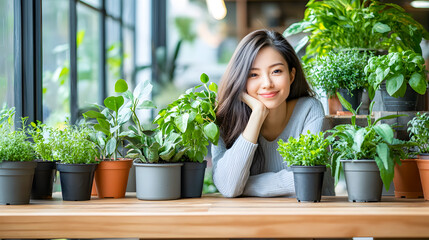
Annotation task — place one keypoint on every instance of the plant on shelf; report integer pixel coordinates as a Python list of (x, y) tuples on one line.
[(16, 161), (193, 117), (374, 143), (350, 24), (418, 127), (397, 70), (308, 157), (42, 140)]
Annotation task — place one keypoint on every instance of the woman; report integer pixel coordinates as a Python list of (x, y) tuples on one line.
[(263, 97)]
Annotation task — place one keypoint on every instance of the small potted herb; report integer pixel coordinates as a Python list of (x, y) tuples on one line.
[(341, 71), (77, 164), (418, 127), (44, 174), (16, 162), (367, 154), (193, 117), (113, 170), (308, 157), (392, 74)]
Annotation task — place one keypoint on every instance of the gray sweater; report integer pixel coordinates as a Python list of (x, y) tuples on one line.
[(248, 169)]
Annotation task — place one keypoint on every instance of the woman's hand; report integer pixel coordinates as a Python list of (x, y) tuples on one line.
[(256, 105), (257, 118)]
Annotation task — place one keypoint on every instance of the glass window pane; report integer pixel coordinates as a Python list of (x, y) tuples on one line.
[(6, 49), (88, 56), (56, 61), (113, 55), (129, 12), (113, 8), (94, 3), (128, 54)]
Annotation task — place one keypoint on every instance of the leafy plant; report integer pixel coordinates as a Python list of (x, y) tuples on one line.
[(418, 127), (338, 70), (14, 145), (193, 117), (72, 145), (307, 150), (375, 141), (397, 70), (369, 24), (43, 140)]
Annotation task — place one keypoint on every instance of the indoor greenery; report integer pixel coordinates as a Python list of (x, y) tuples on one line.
[(307, 150), (369, 24), (14, 145), (338, 70), (397, 70), (42, 140), (71, 145), (375, 141), (193, 116), (418, 127)]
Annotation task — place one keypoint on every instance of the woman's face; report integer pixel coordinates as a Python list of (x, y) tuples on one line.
[(269, 78)]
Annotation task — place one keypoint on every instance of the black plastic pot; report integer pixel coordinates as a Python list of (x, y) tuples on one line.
[(76, 181), (193, 179), (308, 182), (15, 182), (406, 103), (354, 100), (43, 180)]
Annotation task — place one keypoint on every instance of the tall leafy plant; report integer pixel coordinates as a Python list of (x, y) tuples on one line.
[(375, 141), (418, 127), (193, 117)]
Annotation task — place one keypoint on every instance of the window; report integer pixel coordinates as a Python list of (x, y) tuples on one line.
[(6, 49)]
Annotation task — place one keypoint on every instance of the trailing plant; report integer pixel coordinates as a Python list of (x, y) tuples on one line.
[(71, 145), (369, 24), (338, 70), (193, 117), (397, 70), (43, 140), (375, 141), (307, 150), (418, 127)]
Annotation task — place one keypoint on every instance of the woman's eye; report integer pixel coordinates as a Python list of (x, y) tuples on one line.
[(253, 75), (277, 71)]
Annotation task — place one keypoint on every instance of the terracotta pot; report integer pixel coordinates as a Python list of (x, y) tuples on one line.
[(407, 180), (94, 189), (111, 178), (423, 164), (334, 105)]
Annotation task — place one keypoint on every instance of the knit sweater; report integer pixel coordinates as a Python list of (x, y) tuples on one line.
[(248, 169)]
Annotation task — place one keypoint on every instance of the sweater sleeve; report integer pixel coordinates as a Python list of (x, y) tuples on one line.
[(270, 184), (231, 167)]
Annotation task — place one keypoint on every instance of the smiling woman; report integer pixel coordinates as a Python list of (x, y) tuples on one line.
[(263, 97)]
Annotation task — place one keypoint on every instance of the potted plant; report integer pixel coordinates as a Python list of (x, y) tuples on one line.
[(340, 71), (307, 156), (193, 116), (418, 128), (46, 166), (357, 24), (112, 173), (77, 164), (16, 162), (392, 73), (367, 155)]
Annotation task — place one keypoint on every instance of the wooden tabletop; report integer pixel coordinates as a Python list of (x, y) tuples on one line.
[(215, 217)]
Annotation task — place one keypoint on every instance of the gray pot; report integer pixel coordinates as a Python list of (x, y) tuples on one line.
[(158, 181), (308, 182), (363, 180), (131, 184), (16, 179)]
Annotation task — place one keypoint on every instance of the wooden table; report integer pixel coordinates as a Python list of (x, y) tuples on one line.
[(215, 217)]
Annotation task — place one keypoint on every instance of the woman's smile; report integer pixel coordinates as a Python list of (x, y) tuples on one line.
[(269, 94)]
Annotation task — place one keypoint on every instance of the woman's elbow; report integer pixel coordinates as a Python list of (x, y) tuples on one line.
[(227, 190)]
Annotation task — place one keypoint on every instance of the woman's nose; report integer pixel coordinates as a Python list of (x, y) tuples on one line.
[(267, 82)]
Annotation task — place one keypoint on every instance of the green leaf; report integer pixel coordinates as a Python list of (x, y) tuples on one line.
[(79, 37), (146, 104), (111, 146), (211, 131), (381, 27), (152, 153), (213, 87), (100, 128), (384, 131), (181, 122), (121, 86), (168, 154), (418, 83), (393, 84), (114, 103), (94, 114), (103, 123), (358, 139), (204, 78), (345, 104)]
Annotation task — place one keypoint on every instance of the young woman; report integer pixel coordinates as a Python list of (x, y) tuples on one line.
[(263, 97)]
